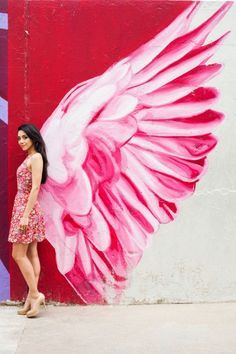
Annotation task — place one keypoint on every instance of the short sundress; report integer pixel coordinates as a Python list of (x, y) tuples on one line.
[(36, 227)]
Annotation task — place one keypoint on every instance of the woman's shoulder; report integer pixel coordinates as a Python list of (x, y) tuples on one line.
[(36, 157)]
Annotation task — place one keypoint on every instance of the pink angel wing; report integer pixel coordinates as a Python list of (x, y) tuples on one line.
[(131, 144)]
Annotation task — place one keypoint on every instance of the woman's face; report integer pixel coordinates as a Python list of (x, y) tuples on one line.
[(24, 141)]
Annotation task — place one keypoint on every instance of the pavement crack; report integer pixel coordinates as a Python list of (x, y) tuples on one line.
[(20, 338)]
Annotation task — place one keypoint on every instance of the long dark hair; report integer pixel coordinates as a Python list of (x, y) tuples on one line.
[(34, 134)]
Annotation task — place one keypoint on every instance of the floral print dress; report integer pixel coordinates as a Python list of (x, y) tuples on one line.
[(36, 227)]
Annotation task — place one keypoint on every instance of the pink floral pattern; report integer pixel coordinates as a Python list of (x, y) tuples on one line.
[(36, 226)]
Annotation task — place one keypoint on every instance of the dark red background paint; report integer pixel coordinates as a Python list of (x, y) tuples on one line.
[(4, 257), (54, 45)]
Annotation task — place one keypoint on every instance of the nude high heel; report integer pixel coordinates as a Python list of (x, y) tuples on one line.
[(35, 305), (25, 308)]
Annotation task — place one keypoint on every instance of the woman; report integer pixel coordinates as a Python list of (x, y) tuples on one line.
[(27, 226)]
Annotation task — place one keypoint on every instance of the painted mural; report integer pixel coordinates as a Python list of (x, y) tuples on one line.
[(126, 143)]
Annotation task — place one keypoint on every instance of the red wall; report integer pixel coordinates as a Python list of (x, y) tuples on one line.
[(53, 45)]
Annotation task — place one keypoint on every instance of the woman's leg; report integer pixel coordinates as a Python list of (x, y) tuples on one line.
[(19, 253), (32, 254)]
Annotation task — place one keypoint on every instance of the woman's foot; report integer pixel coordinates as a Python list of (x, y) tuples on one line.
[(35, 305), (26, 307)]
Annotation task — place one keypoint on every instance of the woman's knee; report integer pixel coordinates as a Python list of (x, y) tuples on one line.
[(17, 256), (19, 252)]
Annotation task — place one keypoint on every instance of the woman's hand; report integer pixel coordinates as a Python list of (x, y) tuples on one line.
[(24, 221)]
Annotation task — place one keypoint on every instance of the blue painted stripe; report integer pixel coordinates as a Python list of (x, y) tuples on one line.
[(3, 110), (4, 283), (3, 21)]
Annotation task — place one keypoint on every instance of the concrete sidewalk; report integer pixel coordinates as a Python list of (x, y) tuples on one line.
[(134, 329)]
